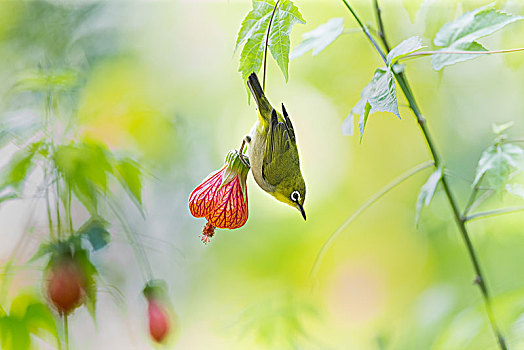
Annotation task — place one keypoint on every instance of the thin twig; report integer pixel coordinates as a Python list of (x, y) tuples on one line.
[(513, 139), (403, 82), (458, 52), (381, 33), (329, 241), (493, 212), (366, 31), (266, 45)]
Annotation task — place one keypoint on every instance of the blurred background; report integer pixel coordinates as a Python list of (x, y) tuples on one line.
[(158, 81)]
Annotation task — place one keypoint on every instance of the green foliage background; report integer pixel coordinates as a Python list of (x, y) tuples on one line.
[(159, 82)]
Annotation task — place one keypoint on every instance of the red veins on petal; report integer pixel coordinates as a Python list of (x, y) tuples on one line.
[(230, 210), (201, 200), (223, 205)]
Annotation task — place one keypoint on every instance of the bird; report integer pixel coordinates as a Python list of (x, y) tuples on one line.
[(273, 153)]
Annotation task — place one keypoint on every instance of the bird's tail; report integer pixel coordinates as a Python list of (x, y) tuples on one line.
[(264, 107)]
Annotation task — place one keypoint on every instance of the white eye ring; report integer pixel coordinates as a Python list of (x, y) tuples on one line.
[(295, 196)]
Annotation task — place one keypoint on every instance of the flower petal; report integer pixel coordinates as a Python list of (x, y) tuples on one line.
[(201, 200), (230, 209)]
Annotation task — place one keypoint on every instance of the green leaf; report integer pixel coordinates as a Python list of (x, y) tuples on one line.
[(463, 33), (496, 164), (427, 191), (255, 21), (27, 315), (500, 128), (20, 166), (95, 232), (286, 17), (38, 317), (403, 49), (319, 38), (128, 174), (38, 81), (84, 166), (439, 61), (379, 95), (253, 32)]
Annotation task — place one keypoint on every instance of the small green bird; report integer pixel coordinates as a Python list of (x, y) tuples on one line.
[(273, 152)]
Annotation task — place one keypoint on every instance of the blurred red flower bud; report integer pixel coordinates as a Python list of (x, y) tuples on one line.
[(65, 286), (158, 321)]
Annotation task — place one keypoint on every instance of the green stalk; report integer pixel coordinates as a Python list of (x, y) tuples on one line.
[(493, 212), (404, 85), (266, 45), (66, 332)]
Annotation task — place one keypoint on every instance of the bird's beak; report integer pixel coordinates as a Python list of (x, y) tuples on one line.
[(301, 209)]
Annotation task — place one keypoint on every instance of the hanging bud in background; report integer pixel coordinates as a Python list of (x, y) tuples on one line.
[(66, 284), (159, 315)]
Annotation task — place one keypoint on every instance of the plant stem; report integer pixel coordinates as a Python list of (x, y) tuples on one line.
[(266, 45), (458, 52), (394, 183), (58, 220), (366, 31), (380, 23), (401, 79), (493, 212), (66, 332)]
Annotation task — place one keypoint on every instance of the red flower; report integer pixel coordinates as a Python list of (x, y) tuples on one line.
[(222, 197)]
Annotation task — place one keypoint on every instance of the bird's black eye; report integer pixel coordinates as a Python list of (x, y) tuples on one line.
[(295, 196)]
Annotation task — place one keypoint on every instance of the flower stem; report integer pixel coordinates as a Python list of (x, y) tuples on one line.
[(493, 212), (394, 183), (66, 332), (266, 45), (404, 85), (458, 52)]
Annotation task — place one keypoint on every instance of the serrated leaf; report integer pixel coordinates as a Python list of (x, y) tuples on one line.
[(403, 49), (253, 32), (496, 164), (427, 191), (319, 38), (463, 33), (85, 167), (286, 16), (20, 166), (378, 96), (255, 21), (95, 232), (128, 174), (439, 61)]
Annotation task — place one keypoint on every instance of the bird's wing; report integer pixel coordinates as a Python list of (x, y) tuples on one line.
[(280, 153)]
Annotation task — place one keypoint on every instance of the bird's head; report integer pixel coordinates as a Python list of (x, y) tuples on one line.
[(292, 191)]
